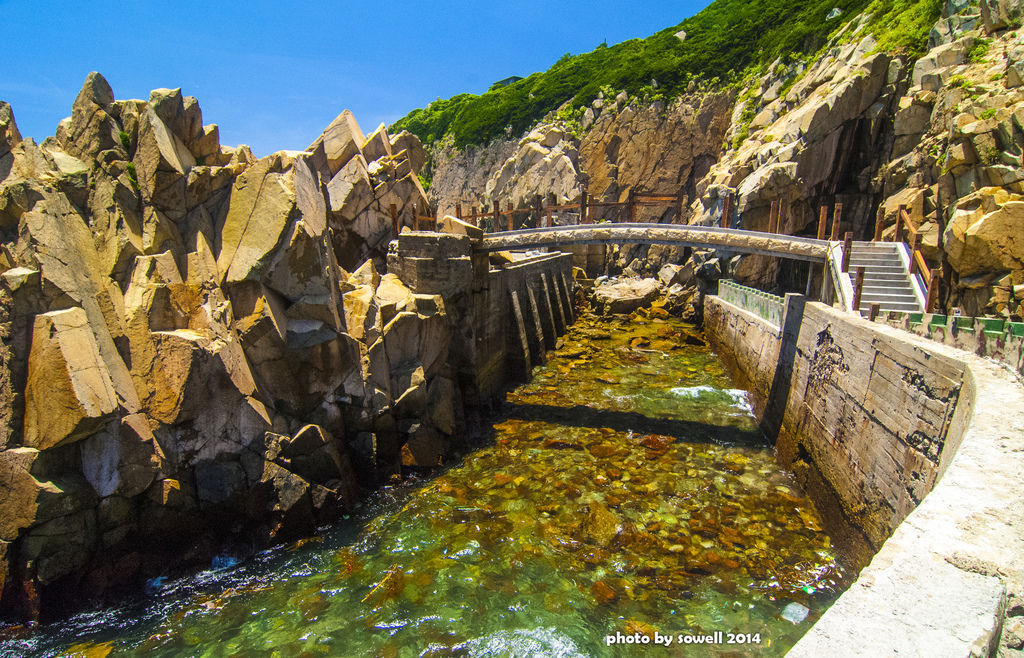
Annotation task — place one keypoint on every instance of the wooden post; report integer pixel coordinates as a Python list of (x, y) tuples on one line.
[(631, 208), (548, 213), (727, 211), (822, 220), (847, 248), (933, 294), (771, 217), (913, 253), (458, 211), (858, 290), (836, 218), (942, 285), (898, 235), (584, 199), (394, 218), (511, 217), (878, 224), (497, 216), (538, 202), (679, 206), (873, 309)]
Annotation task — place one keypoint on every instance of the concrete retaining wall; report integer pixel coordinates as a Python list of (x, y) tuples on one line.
[(505, 316), (919, 447), (517, 315)]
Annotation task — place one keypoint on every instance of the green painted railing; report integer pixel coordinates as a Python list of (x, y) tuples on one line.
[(764, 305), (995, 338)]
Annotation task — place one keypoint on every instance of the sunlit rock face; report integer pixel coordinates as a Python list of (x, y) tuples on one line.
[(182, 339), (942, 136)]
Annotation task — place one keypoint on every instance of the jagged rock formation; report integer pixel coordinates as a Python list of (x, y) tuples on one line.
[(545, 163), (854, 126), (655, 148), (461, 176), (625, 145), (184, 356), (817, 143), (870, 130)]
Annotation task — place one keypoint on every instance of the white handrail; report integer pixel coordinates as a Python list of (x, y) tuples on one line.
[(841, 281)]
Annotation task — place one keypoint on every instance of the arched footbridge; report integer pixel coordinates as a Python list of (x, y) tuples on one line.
[(886, 273), (706, 237)]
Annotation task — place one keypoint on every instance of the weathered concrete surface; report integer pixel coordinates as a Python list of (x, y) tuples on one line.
[(867, 413), (744, 242), (941, 584), (505, 315), (510, 342), (953, 567)]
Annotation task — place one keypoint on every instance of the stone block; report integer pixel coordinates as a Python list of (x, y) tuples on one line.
[(69, 394)]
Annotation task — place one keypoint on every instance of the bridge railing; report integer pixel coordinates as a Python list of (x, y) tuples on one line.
[(762, 304)]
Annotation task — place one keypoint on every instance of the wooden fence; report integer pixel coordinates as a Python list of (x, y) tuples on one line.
[(543, 211)]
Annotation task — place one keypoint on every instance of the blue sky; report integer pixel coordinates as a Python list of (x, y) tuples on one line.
[(274, 74)]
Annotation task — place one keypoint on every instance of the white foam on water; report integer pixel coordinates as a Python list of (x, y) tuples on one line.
[(739, 398), (524, 642)]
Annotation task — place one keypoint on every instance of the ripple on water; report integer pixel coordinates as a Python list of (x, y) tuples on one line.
[(627, 489)]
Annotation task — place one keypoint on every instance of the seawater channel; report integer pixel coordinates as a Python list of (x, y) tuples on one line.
[(625, 493)]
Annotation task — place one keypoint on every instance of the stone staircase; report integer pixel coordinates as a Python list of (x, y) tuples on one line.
[(886, 279)]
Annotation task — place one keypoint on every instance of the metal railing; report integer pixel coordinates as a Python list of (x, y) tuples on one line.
[(762, 304)]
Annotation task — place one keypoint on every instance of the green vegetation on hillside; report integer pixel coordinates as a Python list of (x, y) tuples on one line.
[(723, 42)]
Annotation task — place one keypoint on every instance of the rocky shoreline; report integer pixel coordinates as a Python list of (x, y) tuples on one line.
[(198, 349)]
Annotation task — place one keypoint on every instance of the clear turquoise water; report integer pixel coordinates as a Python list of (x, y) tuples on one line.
[(626, 490)]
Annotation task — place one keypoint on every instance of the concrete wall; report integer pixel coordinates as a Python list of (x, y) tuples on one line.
[(918, 447), (517, 315), (989, 337), (505, 315), (867, 414)]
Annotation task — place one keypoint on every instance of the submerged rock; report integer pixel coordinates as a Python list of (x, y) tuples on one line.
[(795, 613)]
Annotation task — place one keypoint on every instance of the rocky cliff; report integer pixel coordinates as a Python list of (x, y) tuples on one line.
[(854, 124), (196, 346), (617, 145)]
